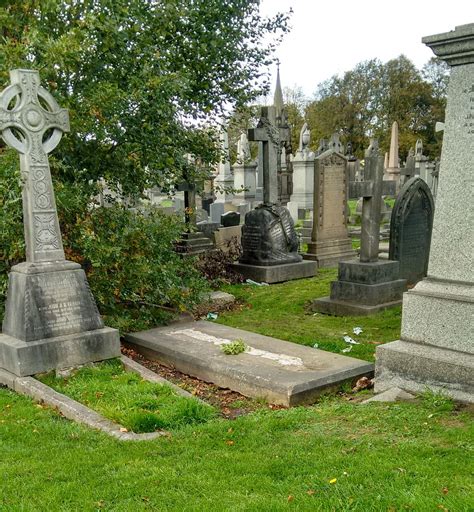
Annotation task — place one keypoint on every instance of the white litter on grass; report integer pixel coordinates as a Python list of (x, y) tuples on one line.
[(347, 349), (282, 359), (315, 345), (357, 330), (251, 281), (350, 340), (212, 316)]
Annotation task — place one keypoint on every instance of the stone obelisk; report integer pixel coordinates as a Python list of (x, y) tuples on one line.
[(51, 319)]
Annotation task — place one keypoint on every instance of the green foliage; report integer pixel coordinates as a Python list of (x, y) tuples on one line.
[(138, 405), (234, 347), (141, 79), (366, 100), (135, 275), (12, 247)]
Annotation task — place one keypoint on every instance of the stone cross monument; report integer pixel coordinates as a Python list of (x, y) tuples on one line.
[(51, 319), (271, 136), (436, 346), (366, 285), (371, 189)]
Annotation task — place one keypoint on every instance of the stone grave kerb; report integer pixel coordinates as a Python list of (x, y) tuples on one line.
[(34, 127)]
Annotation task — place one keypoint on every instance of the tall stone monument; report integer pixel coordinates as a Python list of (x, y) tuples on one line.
[(245, 173), (51, 319), (393, 168), (330, 240), (303, 177), (224, 181), (366, 285), (436, 348)]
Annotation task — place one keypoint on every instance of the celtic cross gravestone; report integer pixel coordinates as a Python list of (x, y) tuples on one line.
[(51, 319)]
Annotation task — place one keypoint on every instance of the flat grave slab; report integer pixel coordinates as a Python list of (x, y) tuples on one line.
[(282, 372)]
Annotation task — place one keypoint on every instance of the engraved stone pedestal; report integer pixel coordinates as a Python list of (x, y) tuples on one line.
[(52, 321)]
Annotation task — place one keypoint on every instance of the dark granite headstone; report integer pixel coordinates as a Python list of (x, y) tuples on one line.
[(229, 219), (269, 237), (410, 229), (206, 204)]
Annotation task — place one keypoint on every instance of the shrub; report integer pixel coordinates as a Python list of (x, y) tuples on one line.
[(136, 277), (215, 266)]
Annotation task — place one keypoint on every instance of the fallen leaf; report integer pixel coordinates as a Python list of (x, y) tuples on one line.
[(333, 481), (123, 429), (229, 442), (291, 498), (230, 431), (311, 492), (145, 498), (445, 490)]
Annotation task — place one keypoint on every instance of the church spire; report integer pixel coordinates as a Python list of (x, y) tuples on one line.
[(278, 96)]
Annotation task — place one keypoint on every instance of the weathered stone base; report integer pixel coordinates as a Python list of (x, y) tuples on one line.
[(193, 243), (416, 367), (281, 372), (436, 349), (277, 273), (24, 358), (363, 289), (341, 308), (330, 252)]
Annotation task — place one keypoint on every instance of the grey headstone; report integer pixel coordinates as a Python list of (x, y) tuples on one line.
[(217, 210), (410, 229)]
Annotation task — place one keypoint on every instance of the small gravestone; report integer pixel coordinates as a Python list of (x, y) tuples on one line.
[(230, 219), (51, 319), (410, 229)]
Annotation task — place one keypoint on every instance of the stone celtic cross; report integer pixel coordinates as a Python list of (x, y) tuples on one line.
[(371, 190), (271, 135), (32, 123)]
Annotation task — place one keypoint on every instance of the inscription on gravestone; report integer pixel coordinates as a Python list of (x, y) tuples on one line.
[(410, 229), (469, 124)]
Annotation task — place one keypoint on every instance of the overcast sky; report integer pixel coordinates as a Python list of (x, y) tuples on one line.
[(330, 37)]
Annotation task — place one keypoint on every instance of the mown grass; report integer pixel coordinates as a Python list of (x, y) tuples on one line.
[(123, 397), (380, 457), (280, 311)]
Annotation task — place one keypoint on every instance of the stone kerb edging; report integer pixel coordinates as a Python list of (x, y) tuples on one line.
[(78, 412)]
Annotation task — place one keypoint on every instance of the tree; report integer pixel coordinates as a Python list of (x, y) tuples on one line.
[(142, 79), (365, 101)]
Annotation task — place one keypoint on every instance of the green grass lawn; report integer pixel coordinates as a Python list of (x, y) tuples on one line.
[(279, 311), (123, 397), (337, 455), (379, 457)]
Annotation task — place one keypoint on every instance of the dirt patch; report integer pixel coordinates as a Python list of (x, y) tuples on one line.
[(230, 403)]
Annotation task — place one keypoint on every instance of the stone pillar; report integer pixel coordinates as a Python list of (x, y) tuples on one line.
[(393, 169), (303, 182), (436, 348), (224, 181)]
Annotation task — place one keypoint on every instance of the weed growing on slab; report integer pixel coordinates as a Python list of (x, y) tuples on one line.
[(234, 347), (123, 397)]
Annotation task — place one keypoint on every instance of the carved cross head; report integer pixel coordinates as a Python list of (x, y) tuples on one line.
[(30, 119)]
